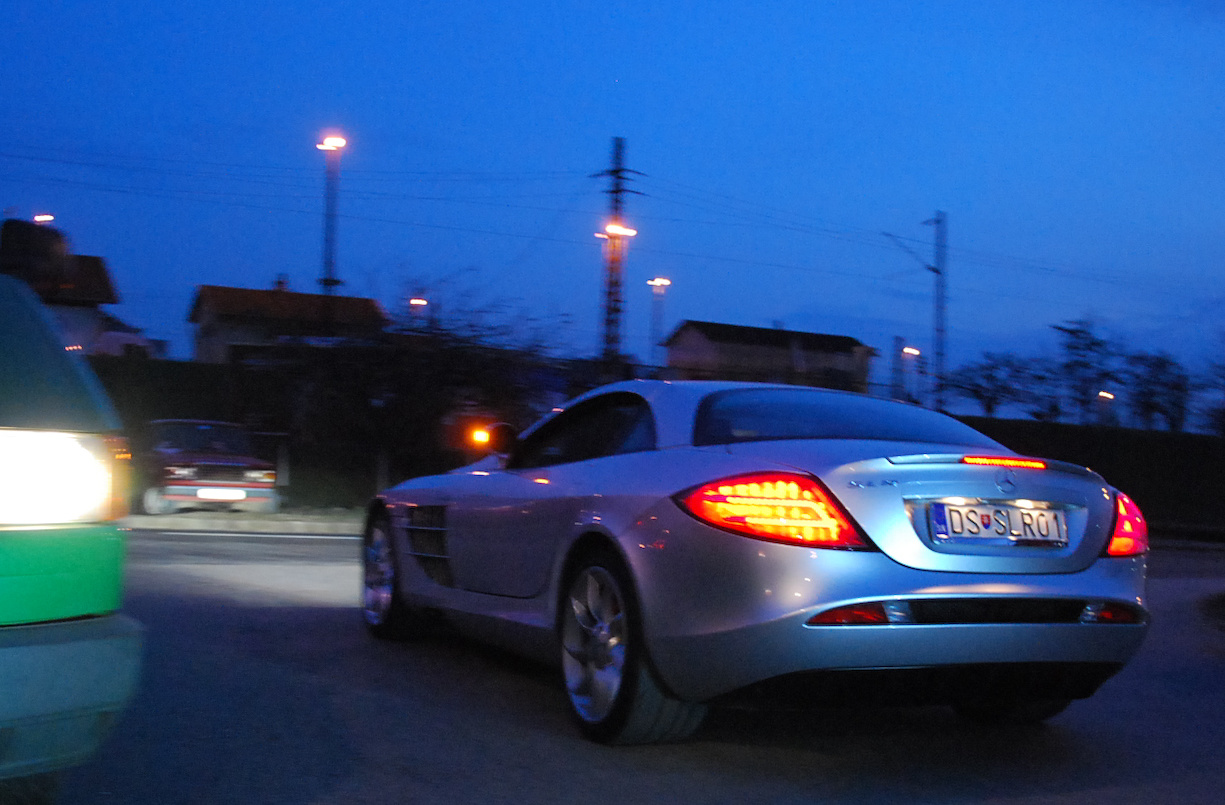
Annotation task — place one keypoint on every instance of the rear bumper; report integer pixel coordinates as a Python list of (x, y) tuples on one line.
[(221, 495), (929, 685), (63, 685), (765, 651), (722, 612)]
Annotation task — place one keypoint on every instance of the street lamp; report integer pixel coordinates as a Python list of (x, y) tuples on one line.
[(658, 286), (44, 218), (332, 146)]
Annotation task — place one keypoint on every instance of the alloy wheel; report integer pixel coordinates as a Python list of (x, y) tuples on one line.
[(594, 632)]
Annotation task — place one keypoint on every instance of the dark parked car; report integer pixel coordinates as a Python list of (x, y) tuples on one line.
[(193, 463), (69, 661)]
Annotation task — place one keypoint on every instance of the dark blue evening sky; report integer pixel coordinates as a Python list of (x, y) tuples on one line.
[(1076, 147)]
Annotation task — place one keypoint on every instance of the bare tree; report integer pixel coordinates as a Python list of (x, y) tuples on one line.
[(1038, 382), (1157, 387), (991, 382), (1087, 366)]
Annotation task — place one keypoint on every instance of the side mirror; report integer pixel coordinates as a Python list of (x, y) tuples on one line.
[(502, 438)]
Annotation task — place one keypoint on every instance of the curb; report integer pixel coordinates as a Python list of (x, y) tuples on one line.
[(342, 522)]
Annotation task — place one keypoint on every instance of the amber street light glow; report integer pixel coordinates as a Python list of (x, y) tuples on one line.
[(43, 218), (332, 144), (910, 350), (1105, 395), (659, 282), (417, 301)]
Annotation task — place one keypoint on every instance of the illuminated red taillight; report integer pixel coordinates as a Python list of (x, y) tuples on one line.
[(1005, 461), (1130, 537), (776, 506), (867, 614)]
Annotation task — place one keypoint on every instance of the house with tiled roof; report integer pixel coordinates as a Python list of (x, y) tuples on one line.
[(232, 322), (705, 350), (73, 287)]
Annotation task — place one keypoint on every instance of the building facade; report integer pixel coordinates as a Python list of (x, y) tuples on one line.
[(703, 350)]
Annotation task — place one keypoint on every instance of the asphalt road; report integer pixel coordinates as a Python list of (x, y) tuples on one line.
[(261, 686)]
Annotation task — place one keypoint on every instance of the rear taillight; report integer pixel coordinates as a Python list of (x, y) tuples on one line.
[(776, 506), (1130, 536)]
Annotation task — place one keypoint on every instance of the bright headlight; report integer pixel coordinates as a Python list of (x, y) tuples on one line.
[(48, 477), (260, 476)]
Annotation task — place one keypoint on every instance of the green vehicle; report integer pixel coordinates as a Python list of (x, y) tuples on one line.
[(69, 661)]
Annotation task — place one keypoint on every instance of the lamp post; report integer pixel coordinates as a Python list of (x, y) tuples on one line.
[(658, 286), (908, 356), (331, 147), (616, 237), (422, 313)]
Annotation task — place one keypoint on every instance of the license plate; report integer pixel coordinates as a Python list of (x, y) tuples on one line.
[(221, 494), (998, 521)]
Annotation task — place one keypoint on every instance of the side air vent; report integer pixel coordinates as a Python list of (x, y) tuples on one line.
[(426, 529)]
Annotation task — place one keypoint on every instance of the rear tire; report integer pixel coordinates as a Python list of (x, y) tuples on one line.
[(614, 696), (388, 616), (1005, 711)]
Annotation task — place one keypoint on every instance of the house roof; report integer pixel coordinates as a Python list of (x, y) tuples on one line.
[(87, 282), (39, 256), (766, 337), (285, 306)]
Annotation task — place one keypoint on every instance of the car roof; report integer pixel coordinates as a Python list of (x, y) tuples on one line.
[(674, 401), (46, 386)]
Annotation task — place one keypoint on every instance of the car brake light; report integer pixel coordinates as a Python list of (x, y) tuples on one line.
[(1130, 536), (780, 507), (1005, 461)]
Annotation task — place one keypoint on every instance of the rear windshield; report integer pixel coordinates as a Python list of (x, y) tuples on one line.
[(202, 437), (754, 415), (43, 386)]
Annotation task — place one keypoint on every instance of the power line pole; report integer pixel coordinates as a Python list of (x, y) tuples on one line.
[(616, 236), (940, 268)]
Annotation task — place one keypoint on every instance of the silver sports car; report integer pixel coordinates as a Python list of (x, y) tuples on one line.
[(675, 544)]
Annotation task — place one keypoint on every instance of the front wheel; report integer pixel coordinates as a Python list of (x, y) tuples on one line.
[(154, 502), (387, 614), (613, 693)]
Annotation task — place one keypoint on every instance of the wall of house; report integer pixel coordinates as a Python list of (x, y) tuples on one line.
[(696, 356)]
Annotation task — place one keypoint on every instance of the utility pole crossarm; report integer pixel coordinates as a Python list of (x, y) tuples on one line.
[(901, 244)]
